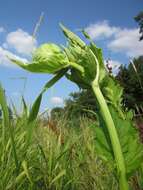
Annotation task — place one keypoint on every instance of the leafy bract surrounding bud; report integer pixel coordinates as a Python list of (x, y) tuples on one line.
[(72, 37), (48, 58), (85, 59), (87, 56)]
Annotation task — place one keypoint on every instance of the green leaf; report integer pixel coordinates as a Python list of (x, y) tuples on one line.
[(103, 148), (35, 108), (129, 138), (113, 91), (25, 108)]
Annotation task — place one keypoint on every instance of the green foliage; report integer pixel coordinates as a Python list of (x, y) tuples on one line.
[(48, 164), (7, 127), (129, 140), (112, 91)]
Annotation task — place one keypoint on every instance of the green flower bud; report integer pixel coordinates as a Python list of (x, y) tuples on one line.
[(48, 58)]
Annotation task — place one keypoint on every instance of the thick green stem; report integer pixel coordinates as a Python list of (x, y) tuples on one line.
[(123, 184)]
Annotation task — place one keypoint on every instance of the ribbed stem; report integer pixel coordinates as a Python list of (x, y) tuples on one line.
[(123, 184)]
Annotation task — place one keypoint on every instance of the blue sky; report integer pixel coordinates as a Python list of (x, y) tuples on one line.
[(109, 22)]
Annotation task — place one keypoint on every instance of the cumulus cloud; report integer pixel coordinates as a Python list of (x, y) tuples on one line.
[(4, 61), (101, 30), (21, 41), (56, 100), (124, 40), (127, 40)]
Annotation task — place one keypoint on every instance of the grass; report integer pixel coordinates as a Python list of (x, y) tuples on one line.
[(47, 163), (55, 155)]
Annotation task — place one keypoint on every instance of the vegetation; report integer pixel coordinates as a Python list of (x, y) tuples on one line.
[(117, 141), (49, 163), (46, 163)]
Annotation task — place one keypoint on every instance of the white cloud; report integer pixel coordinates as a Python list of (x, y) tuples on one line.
[(56, 100), (124, 40), (21, 41), (4, 61), (101, 30), (127, 41)]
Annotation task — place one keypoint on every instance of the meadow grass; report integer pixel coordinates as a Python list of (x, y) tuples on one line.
[(38, 155), (47, 163)]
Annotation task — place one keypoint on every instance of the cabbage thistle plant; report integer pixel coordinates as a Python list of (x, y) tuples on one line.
[(117, 139)]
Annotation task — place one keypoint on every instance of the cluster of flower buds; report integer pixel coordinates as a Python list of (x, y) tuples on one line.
[(109, 66)]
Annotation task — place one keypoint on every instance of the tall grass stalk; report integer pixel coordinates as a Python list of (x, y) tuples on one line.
[(138, 77), (7, 126)]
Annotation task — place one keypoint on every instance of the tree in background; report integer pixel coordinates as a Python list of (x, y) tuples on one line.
[(139, 20), (56, 113), (131, 78), (80, 104)]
